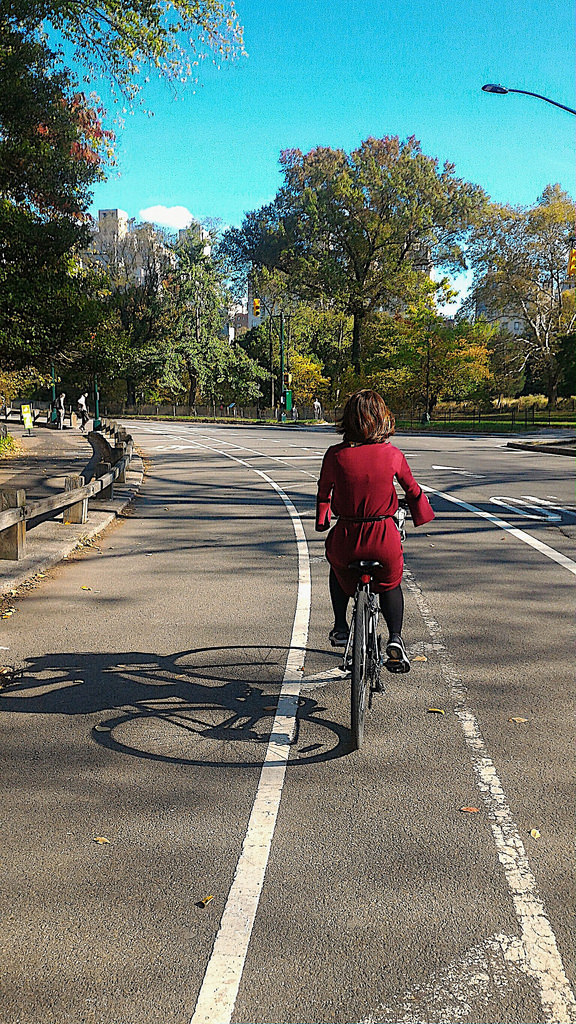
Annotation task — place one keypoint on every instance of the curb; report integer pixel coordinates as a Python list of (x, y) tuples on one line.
[(46, 545), (541, 446)]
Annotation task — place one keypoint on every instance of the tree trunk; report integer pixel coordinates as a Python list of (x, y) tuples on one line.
[(130, 391), (552, 373), (193, 387), (356, 342)]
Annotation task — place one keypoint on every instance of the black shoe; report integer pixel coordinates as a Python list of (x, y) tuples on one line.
[(398, 660), (339, 637)]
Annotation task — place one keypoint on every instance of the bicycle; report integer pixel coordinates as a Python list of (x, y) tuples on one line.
[(363, 658)]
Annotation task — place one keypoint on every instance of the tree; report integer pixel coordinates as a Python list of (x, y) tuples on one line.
[(519, 257), (114, 40), (52, 148), (421, 358), (137, 265), (308, 381), (359, 229)]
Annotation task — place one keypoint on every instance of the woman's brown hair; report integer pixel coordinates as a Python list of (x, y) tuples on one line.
[(366, 418)]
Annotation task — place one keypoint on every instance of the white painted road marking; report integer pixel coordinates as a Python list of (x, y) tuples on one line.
[(544, 549), (538, 955), (519, 505), (219, 990), (461, 472)]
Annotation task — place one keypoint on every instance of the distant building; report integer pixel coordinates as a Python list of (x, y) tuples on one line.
[(132, 253)]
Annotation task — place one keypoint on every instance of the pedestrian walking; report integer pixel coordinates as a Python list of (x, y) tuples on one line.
[(83, 410), (60, 410), (294, 413), (317, 409)]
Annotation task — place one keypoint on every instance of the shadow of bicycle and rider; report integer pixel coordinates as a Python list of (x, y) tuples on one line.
[(207, 706)]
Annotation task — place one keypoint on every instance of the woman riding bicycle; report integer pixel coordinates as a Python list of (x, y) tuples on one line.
[(357, 485)]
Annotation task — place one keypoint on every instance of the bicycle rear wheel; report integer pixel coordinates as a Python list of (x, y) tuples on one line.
[(359, 674)]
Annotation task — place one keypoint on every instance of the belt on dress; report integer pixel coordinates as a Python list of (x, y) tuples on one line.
[(369, 519)]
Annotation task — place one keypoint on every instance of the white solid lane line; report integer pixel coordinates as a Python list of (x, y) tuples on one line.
[(538, 545), (537, 954), (217, 996)]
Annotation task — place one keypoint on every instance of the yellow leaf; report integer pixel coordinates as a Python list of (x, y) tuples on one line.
[(420, 657), (86, 588), (517, 719), (206, 900), (436, 711), (534, 833), (101, 840)]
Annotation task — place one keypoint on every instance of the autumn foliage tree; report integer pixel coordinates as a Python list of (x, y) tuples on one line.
[(519, 257), (52, 147)]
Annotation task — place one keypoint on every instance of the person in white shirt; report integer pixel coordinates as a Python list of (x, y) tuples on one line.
[(83, 410)]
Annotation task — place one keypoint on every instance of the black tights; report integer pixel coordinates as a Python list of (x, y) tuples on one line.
[(391, 606)]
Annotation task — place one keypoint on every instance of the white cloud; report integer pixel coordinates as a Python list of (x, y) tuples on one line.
[(167, 216)]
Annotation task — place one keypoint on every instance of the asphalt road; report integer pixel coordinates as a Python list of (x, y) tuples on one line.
[(166, 666)]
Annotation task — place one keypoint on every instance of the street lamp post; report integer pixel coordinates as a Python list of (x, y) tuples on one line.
[(97, 424), (501, 90), (53, 414)]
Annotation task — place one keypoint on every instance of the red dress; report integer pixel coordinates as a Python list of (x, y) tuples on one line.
[(357, 483)]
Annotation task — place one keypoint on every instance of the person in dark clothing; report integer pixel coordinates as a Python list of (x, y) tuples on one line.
[(60, 410), (357, 485)]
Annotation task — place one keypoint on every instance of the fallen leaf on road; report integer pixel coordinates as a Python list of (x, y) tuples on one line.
[(435, 711), (517, 719), (101, 840), (534, 833), (420, 657), (86, 588), (471, 810), (6, 615), (206, 901)]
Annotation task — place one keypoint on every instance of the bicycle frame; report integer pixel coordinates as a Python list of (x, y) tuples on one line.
[(363, 655)]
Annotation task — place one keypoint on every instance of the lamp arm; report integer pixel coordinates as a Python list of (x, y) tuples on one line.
[(539, 97)]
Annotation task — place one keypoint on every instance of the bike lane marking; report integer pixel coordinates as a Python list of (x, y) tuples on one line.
[(219, 989), (536, 954), (539, 545)]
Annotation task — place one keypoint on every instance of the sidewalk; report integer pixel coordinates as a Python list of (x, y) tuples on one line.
[(48, 456)]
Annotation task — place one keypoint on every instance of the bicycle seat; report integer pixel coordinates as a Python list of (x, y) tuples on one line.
[(365, 565)]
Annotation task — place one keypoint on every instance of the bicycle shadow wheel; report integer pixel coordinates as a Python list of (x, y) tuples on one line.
[(218, 710)]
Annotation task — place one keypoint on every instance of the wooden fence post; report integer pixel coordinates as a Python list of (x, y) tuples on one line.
[(13, 538), (78, 512), (101, 470)]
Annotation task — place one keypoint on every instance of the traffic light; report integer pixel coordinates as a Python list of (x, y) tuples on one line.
[(256, 307), (572, 263), (287, 380)]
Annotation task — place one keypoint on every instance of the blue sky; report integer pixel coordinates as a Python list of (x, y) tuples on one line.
[(333, 73)]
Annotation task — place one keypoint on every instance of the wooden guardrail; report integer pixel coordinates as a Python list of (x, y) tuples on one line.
[(16, 512)]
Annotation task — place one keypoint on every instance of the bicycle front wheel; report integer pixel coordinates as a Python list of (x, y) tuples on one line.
[(359, 674)]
